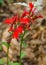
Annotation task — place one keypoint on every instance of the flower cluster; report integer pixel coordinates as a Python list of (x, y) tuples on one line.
[(19, 24)]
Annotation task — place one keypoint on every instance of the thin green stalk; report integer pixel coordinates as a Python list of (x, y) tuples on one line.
[(8, 56), (21, 48), (20, 52)]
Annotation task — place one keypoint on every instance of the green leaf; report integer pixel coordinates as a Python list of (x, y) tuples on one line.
[(11, 63), (16, 63), (23, 54), (1, 61), (6, 44), (0, 47), (1, 1), (24, 43)]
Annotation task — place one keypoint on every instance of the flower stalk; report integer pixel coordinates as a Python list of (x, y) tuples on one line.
[(8, 55), (20, 52)]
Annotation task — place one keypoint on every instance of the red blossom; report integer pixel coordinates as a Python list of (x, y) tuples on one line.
[(31, 6), (39, 16), (25, 13), (11, 20), (7, 21), (24, 20), (20, 29), (17, 32), (14, 18)]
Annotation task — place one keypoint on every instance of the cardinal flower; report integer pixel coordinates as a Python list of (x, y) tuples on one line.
[(7, 21), (11, 20), (39, 16), (24, 20), (31, 6), (25, 13), (17, 31), (14, 18)]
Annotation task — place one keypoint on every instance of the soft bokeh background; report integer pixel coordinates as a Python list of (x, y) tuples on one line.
[(35, 39)]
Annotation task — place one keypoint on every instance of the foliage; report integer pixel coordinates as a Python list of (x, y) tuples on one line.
[(23, 54), (11, 63), (1, 1), (1, 61)]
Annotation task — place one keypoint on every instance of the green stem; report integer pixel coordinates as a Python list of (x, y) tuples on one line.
[(7, 56), (20, 52)]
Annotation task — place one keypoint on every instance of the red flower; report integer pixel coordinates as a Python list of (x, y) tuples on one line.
[(7, 21), (11, 20), (17, 32), (25, 13), (24, 20), (31, 6), (20, 29), (14, 18), (39, 16)]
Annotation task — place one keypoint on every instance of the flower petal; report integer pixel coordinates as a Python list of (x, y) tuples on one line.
[(31, 6), (25, 13), (17, 32), (7, 21), (24, 20)]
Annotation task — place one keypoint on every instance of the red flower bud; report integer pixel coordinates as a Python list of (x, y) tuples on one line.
[(31, 6)]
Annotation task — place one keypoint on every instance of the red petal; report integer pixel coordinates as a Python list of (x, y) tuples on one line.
[(14, 19), (7, 21), (20, 29), (31, 6), (24, 20), (25, 13), (15, 34), (11, 20), (39, 16)]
